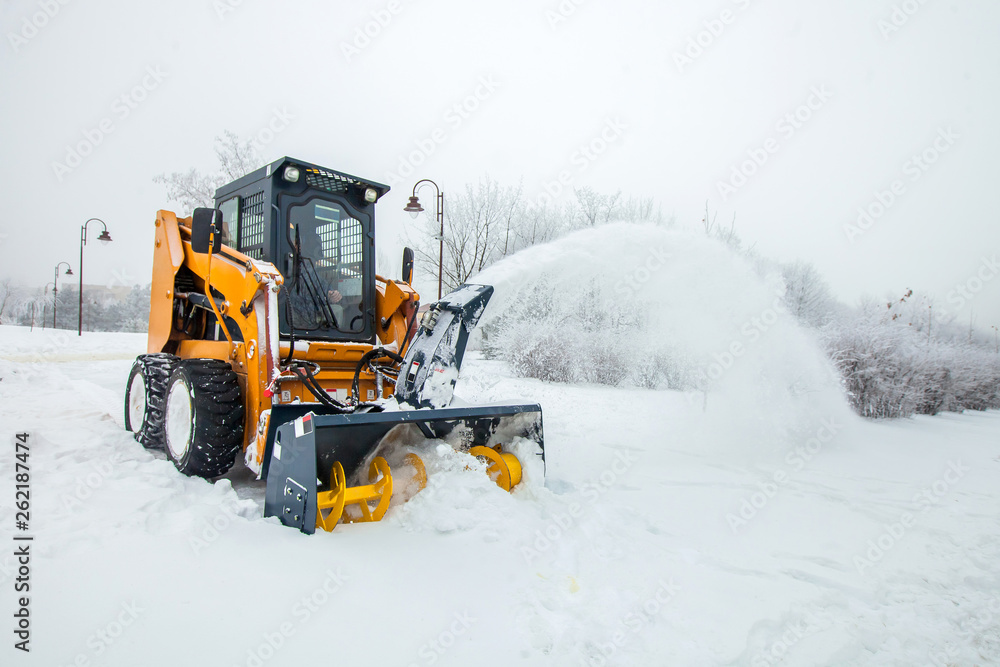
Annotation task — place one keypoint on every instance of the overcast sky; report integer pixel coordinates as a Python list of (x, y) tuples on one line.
[(684, 92)]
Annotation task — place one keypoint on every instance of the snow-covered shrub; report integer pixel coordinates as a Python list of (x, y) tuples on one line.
[(541, 357), (807, 295), (563, 337), (648, 372), (893, 369), (976, 384), (878, 367), (654, 368), (606, 364)]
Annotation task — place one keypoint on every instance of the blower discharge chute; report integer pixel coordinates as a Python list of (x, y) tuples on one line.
[(320, 372)]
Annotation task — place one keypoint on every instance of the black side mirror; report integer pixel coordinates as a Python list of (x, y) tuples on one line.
[(407, 265), (204, 221)]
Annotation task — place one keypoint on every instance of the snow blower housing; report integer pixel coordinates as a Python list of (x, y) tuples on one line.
[(270, 333)]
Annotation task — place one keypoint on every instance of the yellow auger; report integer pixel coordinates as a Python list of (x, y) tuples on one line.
[(503, 468), (331, 504)]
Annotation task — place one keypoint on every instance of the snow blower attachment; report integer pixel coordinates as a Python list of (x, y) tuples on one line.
[(270, 332), (325, 447)]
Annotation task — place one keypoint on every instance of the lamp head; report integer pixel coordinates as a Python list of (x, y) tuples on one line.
[(413, 207)]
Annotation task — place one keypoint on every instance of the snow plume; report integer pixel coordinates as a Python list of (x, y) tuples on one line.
[(641, 305)]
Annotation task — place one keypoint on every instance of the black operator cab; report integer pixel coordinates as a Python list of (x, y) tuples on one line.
[(317, 226)]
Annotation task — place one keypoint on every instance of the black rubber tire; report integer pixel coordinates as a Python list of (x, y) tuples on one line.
[(206, 390), (154, 371)]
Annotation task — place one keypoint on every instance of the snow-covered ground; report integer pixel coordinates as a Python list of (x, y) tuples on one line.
[(669, 531)]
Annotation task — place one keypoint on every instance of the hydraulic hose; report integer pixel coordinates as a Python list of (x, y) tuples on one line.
[(365, 359), (409, 327), (309, 380)]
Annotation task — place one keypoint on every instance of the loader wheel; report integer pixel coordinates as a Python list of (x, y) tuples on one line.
[(145, 393), (204, 417)]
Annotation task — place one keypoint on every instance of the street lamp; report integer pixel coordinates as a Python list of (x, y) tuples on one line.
[(414, 209), (55, 289), (105, 239)]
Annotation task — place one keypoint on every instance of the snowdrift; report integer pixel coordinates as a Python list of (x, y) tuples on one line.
[(641, 305), (627, 554)]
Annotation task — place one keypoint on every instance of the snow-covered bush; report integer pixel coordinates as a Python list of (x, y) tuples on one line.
[(571, 337), (892, 369), (807, 295), (879, 367)]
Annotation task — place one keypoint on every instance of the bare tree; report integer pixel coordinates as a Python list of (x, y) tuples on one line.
[(593, 208), (192, 189), (807, 295), (236, 158), (539, 224), (481, 226), (11, 294), (488, 222), (640, 209)]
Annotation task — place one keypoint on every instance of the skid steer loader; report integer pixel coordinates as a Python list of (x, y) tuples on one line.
[(270, 334)]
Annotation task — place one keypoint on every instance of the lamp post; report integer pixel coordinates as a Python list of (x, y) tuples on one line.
[(105, 239), (55, 289), (414, 209)]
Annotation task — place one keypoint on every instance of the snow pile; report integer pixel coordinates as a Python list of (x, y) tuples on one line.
[(626, 554), (43, 346), (627, 304)]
